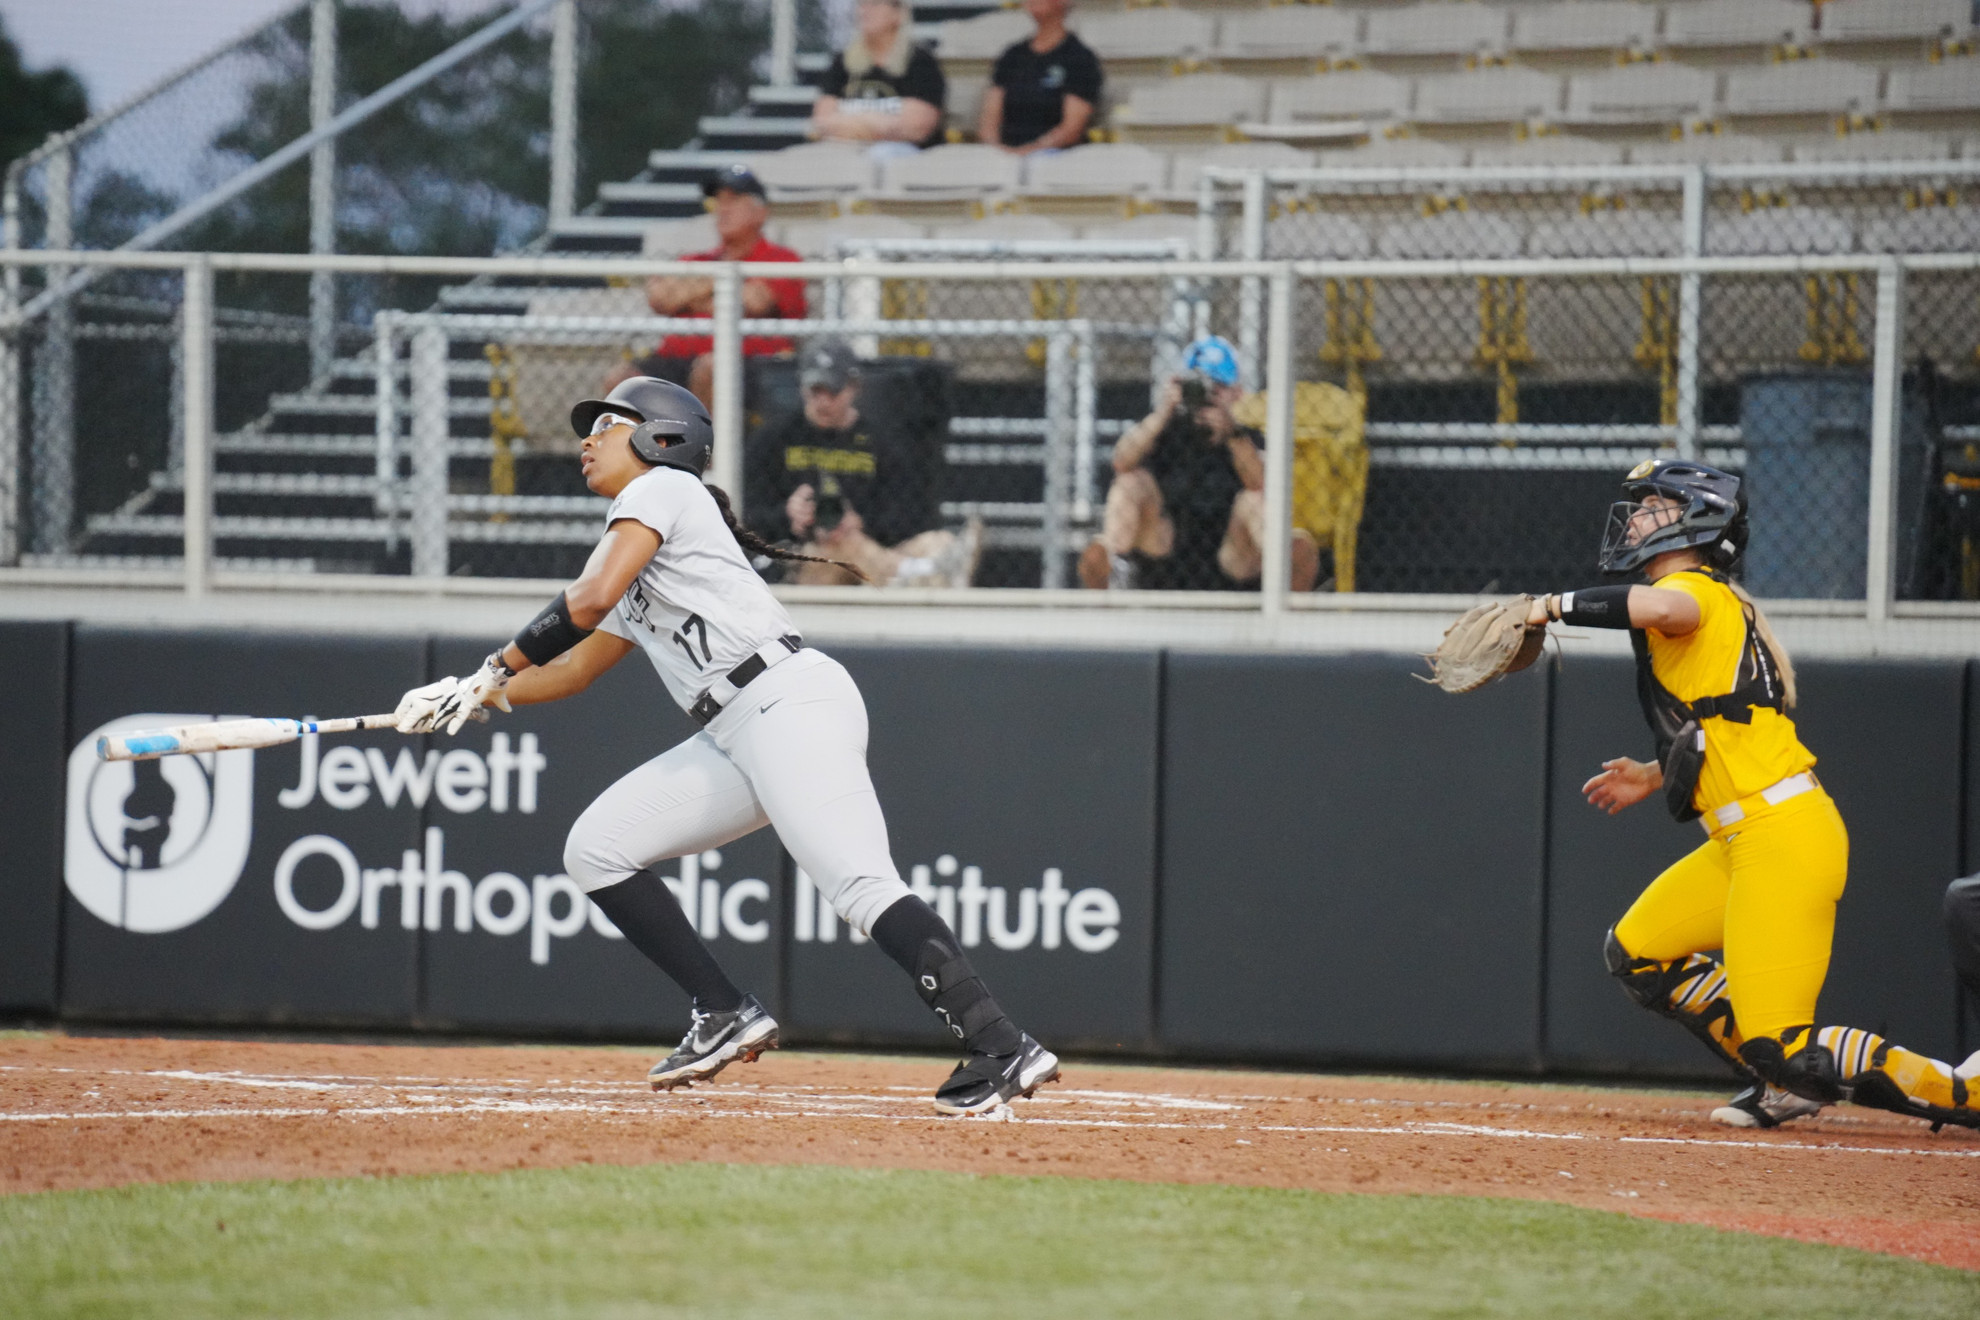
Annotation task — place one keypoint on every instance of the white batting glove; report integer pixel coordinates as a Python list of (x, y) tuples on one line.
[(419, 709), (473, 695)]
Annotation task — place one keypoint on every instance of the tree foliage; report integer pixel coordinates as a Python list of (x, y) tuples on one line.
[(461, 166), (33, 105)]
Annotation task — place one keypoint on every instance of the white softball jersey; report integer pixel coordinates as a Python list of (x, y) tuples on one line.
[(697, 609), (789, 750)]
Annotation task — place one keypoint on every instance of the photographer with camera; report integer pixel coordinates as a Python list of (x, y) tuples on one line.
[(840, 485), (1186, 509)]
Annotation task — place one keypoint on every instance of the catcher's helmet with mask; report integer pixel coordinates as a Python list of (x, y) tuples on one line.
[(674, 428), (1707, 513)]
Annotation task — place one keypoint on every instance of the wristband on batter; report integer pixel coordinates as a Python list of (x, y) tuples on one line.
[(550, 633), (1594, 607)]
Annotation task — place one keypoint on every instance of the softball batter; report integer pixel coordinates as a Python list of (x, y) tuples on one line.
[(1718, 691), (783, 742)]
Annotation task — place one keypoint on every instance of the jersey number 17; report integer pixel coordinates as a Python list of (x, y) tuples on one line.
[(693, 628)]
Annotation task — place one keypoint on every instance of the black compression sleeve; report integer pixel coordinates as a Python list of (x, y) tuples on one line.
[(550, 633), (1596, 607)]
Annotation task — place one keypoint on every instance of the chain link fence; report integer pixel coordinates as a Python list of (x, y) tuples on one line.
[(1486, 393), (1450, 428)]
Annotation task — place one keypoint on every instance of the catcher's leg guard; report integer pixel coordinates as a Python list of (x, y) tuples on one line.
[(1838, 1063), (1690, 990)]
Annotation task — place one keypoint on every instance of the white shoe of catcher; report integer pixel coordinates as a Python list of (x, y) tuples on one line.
[(1764, 1107)]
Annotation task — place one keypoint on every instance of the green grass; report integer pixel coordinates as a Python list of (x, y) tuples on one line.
[(766, 1241)]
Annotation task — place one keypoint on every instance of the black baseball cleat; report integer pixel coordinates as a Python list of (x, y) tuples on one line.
[(983, 1081), (715, 1041)]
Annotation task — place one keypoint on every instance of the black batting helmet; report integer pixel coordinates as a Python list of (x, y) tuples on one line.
[(674, 428), (1708, 513)]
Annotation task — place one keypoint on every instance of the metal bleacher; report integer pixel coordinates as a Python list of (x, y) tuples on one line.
[(1448, 85)]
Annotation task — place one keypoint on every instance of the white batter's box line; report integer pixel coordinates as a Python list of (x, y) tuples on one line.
[(707, 1106), (1797, 1145)]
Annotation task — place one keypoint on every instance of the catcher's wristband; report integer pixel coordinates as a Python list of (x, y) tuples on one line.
[(550, 633), (1594, 607)]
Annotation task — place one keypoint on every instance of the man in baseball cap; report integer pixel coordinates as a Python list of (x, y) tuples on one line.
[(740, 207), (853, 486), (827, 364)]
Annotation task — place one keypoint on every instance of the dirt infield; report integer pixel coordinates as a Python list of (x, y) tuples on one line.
[(94, 1112)]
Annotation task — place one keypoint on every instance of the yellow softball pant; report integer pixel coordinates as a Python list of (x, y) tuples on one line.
[(1765, 892)]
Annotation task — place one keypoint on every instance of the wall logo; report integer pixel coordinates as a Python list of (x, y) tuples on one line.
[(153, 846)]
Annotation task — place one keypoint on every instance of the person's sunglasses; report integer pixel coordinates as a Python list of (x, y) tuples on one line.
[(606, 421)]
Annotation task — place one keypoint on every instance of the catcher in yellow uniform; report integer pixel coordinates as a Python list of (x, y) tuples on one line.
[(1718, 690)]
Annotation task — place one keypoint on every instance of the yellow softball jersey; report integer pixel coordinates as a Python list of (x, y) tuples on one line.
[(1740, 759)]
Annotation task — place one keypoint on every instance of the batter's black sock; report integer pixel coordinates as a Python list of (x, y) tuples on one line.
[(645, 910), (921, 942)]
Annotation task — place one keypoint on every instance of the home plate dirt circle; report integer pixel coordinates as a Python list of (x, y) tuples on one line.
[(96, 1112)]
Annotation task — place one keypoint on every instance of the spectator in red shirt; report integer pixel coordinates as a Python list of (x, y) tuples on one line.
[(740, 208)]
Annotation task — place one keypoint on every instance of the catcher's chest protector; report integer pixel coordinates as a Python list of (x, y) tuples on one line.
[(1677, 725)]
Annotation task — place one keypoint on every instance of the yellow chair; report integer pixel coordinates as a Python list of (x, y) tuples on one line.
[(1330, 466)]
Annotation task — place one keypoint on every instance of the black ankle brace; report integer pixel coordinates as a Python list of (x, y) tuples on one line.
[(917, 939)]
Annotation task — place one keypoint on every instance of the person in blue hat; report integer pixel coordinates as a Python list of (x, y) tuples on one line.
[(1186, 509), (740, 206)]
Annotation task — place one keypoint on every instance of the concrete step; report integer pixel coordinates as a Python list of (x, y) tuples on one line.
[(692, 165), (749, 133), (637, 191), (363, 405), (783, 102), (653, 200), (332, 446), (376, 530)]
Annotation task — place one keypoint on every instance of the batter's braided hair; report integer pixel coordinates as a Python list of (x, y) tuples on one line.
[(756, 545)]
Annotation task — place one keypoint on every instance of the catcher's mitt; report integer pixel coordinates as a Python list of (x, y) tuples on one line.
[(1487, 642)]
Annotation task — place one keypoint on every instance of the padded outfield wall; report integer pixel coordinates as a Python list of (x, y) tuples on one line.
[(1304, 858)]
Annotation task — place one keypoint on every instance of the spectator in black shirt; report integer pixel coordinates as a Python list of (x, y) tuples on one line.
[(1187, 507), (1042, 91), (844, 486), (882, 88)]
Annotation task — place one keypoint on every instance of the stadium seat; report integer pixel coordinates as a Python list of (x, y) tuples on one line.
[(1707, 23), (1463, 234), (1503, 95), (1777, 231), (983, 37), (1709, 149), (1386, 153), (1145, 34), (1895, 20), (1891, 144), (1007, 228), (965, 100), (813, 170), (1345, 94), (817, 238), (1558, 149), (1952, 84), (1801, 87), (1590, 25), (952, 171), (1463, 28), (1607, 234), (1287, 32), (1641, 94), (1193, 100), (1151, 227), (1927, 229), (1097, 168), (1187, 167), (673, 238), (1301, 235)]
